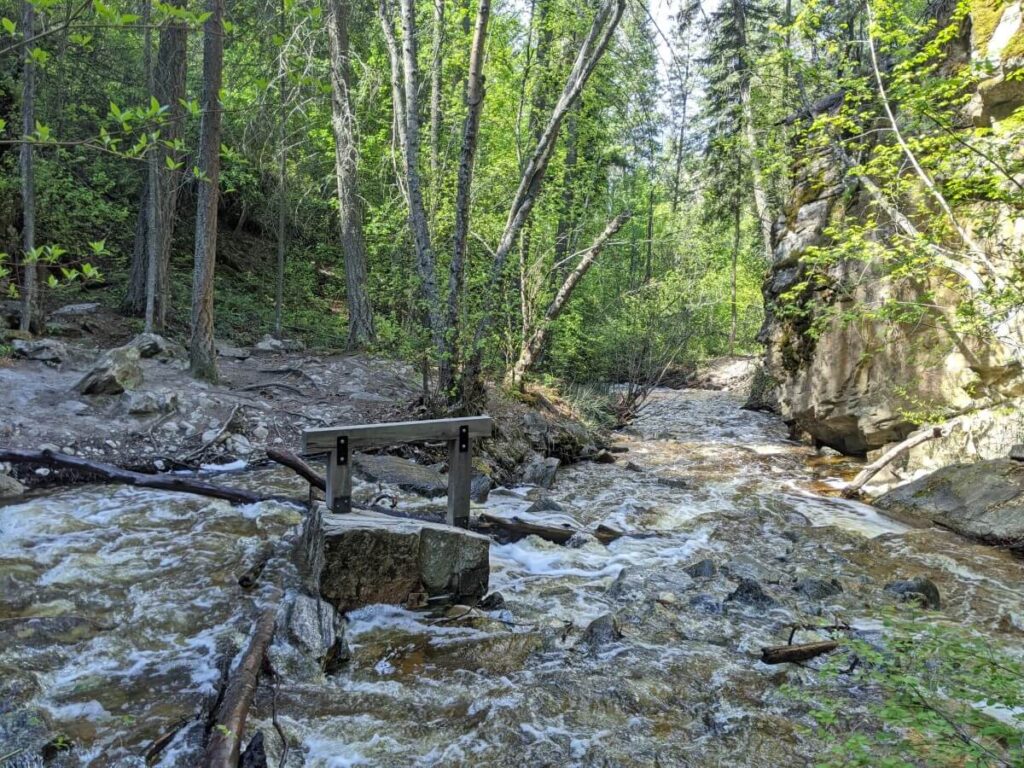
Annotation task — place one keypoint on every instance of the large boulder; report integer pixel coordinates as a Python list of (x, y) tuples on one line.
[(113, 373), (365, 558), (44, 350), (407, 475), (984, 501)]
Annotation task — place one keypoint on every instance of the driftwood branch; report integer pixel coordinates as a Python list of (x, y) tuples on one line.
[(297, 465), (113, 474), (223, 747), (872, 469), (791, 654)]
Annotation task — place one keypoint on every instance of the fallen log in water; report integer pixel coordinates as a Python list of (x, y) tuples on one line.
[(297, 465), (792, 654), (224, 744), (114, 474)]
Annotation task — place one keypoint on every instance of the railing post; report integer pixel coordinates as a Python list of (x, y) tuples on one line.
[(339, 477), (460, 474)]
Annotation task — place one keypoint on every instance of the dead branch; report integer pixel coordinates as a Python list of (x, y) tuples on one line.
[(218, 436), (792, 654), (872, 469), (112, 474), (297, 465)]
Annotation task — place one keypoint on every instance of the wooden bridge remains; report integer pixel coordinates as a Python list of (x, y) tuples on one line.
[(340, 443)]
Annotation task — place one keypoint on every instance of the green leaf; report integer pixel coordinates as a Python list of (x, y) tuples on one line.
[(8, 25)]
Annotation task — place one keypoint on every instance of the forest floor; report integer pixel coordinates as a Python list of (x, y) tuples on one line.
[(266, 396)]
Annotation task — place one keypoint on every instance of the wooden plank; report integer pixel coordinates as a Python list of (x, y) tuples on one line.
[(368, 435), (460, 475), (339, 484)]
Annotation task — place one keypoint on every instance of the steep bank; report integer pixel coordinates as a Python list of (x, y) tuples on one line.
[(861, 381)]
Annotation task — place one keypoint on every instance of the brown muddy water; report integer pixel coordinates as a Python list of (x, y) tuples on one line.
[(120, 609)]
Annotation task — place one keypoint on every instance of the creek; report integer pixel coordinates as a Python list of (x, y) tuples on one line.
[(119, 607)]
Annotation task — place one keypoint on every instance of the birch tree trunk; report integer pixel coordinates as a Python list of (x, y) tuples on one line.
[(436, 68), (350, 216), (28, 180), (202, 355), (534, 346), (594, 45)]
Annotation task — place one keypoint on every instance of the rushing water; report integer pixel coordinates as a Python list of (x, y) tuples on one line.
[(120, 608)]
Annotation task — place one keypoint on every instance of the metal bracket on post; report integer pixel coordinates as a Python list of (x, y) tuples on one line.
[(342, 451), (463, 439)]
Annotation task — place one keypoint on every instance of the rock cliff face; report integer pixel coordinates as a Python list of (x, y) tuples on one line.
[(858, 384)]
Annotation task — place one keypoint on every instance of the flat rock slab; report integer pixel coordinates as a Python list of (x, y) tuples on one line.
[(364, 558), (407, 475), (983, 501)]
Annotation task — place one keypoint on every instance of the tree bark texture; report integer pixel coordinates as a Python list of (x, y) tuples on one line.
[(202, 355), (28, 181), (350, 215)]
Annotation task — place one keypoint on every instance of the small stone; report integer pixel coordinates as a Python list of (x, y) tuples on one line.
[(68, 450), (829, 452), (541, 472), (667, 598), (269, 344), (601, 631), (210, 435), (160, 465), (239, 444), (50, 447), (817, 589), (582, 539), (750, 592), (1017, 452), (170, 426), (703, 569), (544, 504), (920, 589), (604, 457), (674, 482), (260, 433), (493, 602), (705, 604), (10, 487), (110, 444), (480, 488), (43, 471)]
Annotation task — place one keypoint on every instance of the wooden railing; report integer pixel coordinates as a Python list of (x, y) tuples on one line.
[(341, 442)]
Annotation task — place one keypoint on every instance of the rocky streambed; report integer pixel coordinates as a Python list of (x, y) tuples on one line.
[(121, 610)]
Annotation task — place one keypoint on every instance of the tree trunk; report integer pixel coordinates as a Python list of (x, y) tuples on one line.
[(565, 212), (417, 212), (761, 207), (28, 181), (470, 137), (532, 179), (282, 173), (532, 349), (167, 85), (153, 208), (202, 355), (350, 215), (732, 285), (436, 68)]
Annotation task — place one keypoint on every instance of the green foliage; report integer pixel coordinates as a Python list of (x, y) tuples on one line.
[(930, 693)]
